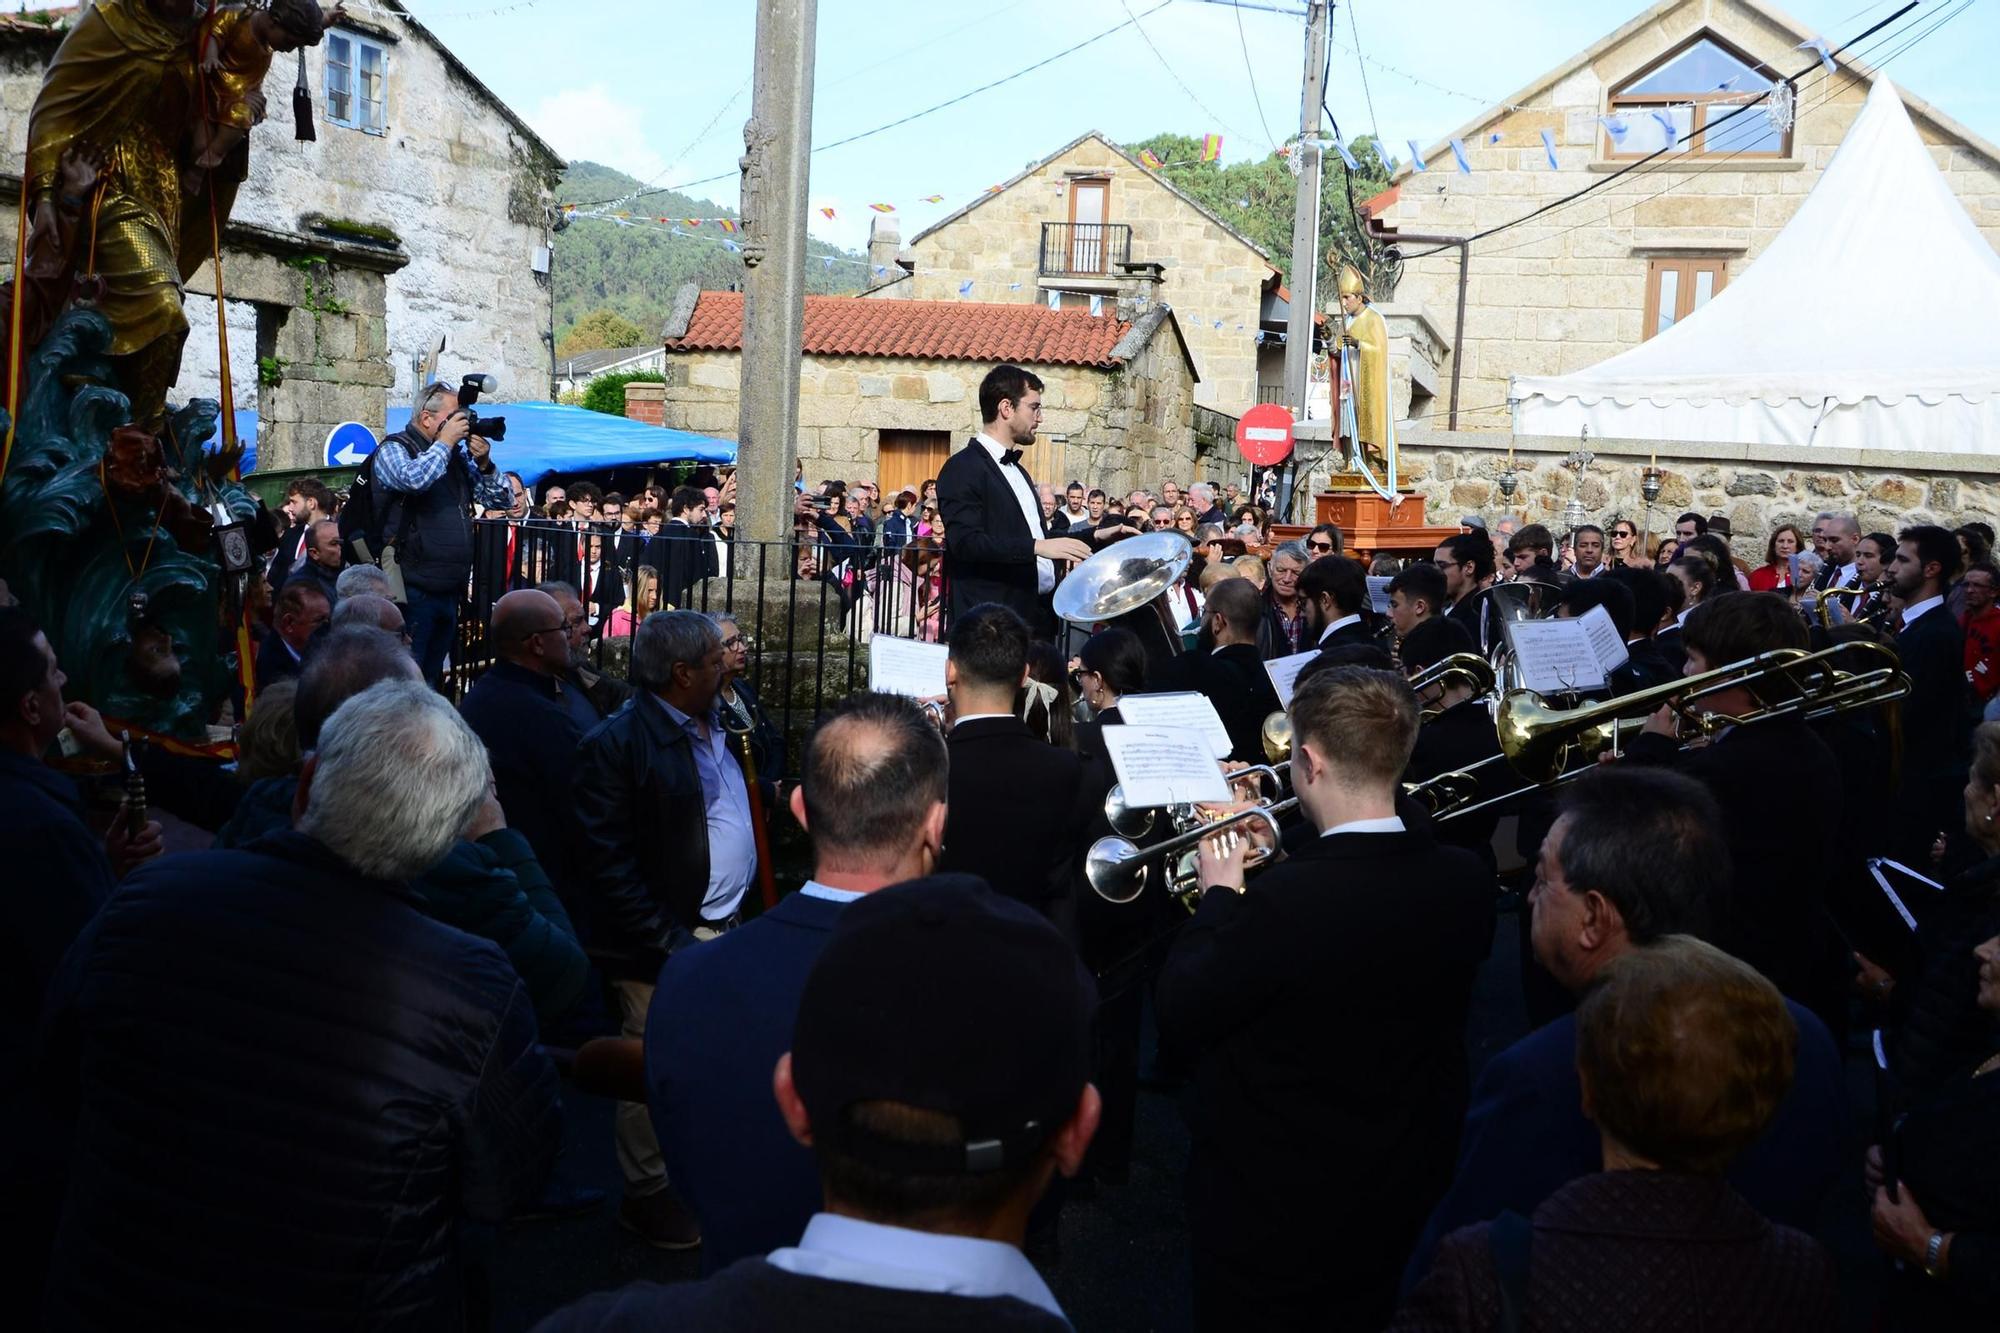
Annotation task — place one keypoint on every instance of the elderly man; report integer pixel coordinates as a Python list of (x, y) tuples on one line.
[(1635, 856), (395, 1092), (323, 559), (298, 615), (372, 611), (667, 851), (1201, 499), (361, 580), (872, 798), (607, 694)]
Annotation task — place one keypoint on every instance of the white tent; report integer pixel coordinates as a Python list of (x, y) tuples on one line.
[(1869, 322)]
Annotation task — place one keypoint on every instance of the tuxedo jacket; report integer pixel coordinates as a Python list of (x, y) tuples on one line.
[(1234, 680), (1938, 716), (1017, 812), (989, 552), (1324, 1009)]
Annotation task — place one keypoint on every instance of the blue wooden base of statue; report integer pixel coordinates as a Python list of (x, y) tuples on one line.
[(142, 625)]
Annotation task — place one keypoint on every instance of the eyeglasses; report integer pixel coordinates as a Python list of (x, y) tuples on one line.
[(1319, 546), (735, 641)]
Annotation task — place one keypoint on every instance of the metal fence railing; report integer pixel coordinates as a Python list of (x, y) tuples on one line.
[(1084, 249), (807, 606)]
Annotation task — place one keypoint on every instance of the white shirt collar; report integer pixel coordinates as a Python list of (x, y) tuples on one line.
[(1682, 618), (1915, 609), (976, 717), (1339, 624), (994, 449), (847, 1249), (812, 888), (1386, 824)]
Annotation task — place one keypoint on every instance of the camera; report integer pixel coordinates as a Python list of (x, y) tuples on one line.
[(469, 389)]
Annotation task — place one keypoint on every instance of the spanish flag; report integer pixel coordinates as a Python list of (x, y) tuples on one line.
[(827, 213), (1150, 160), (727, 224), (883, 208), (1211, 147)]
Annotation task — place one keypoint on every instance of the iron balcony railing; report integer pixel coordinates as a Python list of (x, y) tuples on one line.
[(1084, 249)]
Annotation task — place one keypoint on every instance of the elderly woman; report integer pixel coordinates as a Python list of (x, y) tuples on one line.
[(1684, 1055), (1284, 626)]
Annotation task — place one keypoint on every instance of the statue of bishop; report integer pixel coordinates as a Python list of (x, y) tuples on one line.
[(1365, 358)]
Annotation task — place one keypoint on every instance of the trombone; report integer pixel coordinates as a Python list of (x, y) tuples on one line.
[(1467, 669)]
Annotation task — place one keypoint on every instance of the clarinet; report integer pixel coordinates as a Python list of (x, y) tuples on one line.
[(134, 805)]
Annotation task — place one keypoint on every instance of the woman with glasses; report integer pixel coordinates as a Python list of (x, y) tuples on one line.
[(1285, 626), (1110, 665), (1625, 552), (1323, 540), (740, 709), (1184, 521)]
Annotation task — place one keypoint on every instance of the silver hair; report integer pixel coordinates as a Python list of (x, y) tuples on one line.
[(356, 580), (666, 638), (1207, 491), (1294, 549), (721, 618), (429, 396), (399, 775), (362, 608)]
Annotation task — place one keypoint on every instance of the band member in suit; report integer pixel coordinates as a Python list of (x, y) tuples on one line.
[(1645, 665), (1231, 674), (1468, 565), (1459, 735), (1315, 1161), (1777, 919), (1017, 803), (1337, 589), (1938, 715), (997, 552)]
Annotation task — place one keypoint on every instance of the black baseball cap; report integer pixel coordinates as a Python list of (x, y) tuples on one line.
[(942, 994)]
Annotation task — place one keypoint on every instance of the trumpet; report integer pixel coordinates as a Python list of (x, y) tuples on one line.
[(1541, 743), (1117, 868)]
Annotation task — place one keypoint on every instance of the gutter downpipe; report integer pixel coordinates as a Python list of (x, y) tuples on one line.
[(1464, 244)]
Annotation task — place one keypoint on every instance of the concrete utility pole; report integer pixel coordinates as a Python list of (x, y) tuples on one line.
[(1305, 226), (777, 142)]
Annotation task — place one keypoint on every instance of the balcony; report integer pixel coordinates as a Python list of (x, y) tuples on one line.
[(1084, 249)]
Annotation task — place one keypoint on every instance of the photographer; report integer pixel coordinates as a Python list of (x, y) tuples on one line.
[(432, 472)]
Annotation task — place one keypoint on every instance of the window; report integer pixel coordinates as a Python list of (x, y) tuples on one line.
[(1676, 288), (357, 81), (1688, 91)]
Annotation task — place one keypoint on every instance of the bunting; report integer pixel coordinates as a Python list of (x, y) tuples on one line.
[(826, 213), (883, 208), (1416, 156), (1150, 160), (1211, 147), (1549, 147), (1458, 151)]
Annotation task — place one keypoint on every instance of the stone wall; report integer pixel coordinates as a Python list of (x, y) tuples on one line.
[(1211, 276), (465, 190), (1756, 487), (1121, 428), (1568, 291)]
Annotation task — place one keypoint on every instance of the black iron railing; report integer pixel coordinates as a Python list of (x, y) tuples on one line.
[(1084, 249)]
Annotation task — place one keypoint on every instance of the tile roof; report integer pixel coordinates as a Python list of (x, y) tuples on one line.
[(1024, 332), (598, 358)]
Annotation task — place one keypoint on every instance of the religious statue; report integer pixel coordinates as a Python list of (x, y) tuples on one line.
[(1365, 416)]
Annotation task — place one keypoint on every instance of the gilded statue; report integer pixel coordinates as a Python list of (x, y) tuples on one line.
[(1365, 357)]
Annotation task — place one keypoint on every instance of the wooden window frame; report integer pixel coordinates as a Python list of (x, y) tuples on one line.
[(1697, 149), (1686, 268)]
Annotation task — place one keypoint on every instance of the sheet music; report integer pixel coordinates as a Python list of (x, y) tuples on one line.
[(905, 666), (1605, 640), (1284, 672), (1188, 712), (1555, 656), (1160, 766), (1378, 593)]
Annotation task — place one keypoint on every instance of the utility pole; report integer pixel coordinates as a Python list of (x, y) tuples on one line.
[(1305, 231), (777, 144)]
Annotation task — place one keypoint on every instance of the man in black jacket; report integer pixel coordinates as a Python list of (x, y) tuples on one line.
[(996, 552), (349, 1082), (1017, 803), (666, 851), (1325, 1007), (1939, 714), (1646, 665), (1230, 675), (297, 617), (1337, 589), (1467, 562)]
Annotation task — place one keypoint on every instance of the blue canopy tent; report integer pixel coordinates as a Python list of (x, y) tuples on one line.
[(544, 439)]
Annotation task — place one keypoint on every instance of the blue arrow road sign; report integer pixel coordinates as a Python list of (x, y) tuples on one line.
[(348, 444)]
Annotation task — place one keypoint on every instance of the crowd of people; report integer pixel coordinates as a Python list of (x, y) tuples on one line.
[(298, 1076)]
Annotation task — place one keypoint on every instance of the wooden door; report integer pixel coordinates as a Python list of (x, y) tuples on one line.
[(1089, 207), (909, 458)]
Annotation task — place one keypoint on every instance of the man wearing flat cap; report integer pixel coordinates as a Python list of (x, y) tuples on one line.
[(938, 1117)]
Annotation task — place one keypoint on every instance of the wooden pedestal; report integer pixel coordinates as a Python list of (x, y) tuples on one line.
[(1370, 525)]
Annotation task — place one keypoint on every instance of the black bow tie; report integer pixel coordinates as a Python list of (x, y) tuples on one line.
[(1010, 458)]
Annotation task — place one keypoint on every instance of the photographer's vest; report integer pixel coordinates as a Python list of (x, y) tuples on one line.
[(433, 527)]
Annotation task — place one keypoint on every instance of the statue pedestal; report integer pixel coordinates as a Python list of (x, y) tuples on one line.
[(1370, 525)]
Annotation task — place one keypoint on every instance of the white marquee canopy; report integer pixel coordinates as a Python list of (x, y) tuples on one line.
[(1869, 322)]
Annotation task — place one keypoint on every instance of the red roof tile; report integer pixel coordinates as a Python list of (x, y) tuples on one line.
[(931, 330)]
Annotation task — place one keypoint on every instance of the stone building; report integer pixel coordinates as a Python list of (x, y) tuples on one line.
[(1598, 276), (889, 388), (1090, 225), (421, 211), (575, 373)]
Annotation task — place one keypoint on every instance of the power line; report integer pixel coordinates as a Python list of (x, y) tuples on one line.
[(1160, 56), (1354, 25), (1251, 74)]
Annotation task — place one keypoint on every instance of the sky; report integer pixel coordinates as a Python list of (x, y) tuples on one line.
[(661, 88)]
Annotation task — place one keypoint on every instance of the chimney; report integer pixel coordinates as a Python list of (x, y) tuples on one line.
[(1138, 288), (885, 238)]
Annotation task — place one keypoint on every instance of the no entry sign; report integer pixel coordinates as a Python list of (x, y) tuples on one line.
[(1264, 435)]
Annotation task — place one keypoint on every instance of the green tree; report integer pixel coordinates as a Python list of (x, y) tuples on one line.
[(600, 328), (1257, 199), (606, 393)]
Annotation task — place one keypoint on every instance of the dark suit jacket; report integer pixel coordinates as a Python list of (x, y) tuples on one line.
[(1453, 741), (275, 661), (722, 1015), (1526, 1136), (1646, 666), (1776, 918), (1234, 680), (1017, 813), (1938, 715), (1357, 632), (1325, 1006), (1668, 644), (989, 555), (531, 738)]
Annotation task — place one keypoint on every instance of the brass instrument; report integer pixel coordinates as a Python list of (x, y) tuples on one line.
[(1118, 868), (1823, 601), (1125, 577), (1467, 669), (1277, 731), (1541, 743)]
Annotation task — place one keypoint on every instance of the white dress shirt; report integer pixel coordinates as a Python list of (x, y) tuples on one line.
[(1031, 508), (812, 888), (1338, 624), (1386, 824), (1915, 609), (847, 1249)]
